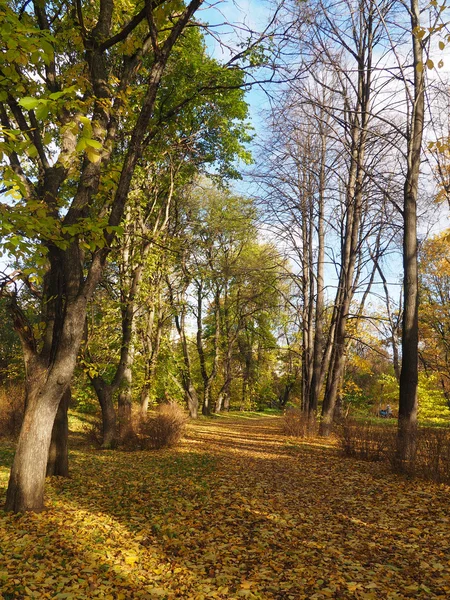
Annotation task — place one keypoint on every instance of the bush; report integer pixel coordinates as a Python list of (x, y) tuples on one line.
[(366, 440), (93, 430), (432, 455), (163, 429), (297, 423), (11, 410), (431, 459)]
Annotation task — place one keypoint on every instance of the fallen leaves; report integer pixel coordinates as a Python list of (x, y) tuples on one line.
[(233, 513)]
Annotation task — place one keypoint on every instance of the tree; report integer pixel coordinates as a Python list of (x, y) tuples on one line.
[(434, 325), (62, 123), (407, 413)]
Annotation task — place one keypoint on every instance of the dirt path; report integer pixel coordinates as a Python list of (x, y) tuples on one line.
[(235, 512)]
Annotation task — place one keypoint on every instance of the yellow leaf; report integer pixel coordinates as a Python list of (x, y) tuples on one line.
[(430, 64), (419, 67), (419, 32), (441, 45), (93, 155)]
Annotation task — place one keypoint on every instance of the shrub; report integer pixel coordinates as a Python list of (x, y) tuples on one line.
[(430, 460), (432, 455), (93, 430), (366, 440), (163, 429), (297, 423), (11, 409)]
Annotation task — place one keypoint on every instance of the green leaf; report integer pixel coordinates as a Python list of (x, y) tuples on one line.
[(32, 151), (81, 144), (42, 111), (48, 49), (56, 95), (28, 103), (93, 143)]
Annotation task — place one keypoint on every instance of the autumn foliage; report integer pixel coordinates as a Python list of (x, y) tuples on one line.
[(232, 513)]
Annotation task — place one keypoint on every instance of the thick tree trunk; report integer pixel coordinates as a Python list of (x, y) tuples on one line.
[(48, 378), (58, 455), (125, 412), (109, 418), (45, 389), (191, 400), (27, 478)]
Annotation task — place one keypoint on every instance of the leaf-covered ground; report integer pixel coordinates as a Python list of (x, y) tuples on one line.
[(235, 512)]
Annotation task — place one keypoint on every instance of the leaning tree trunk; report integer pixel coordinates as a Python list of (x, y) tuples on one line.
[(58, 455), (407, 414), (27, 478), (46, 384)]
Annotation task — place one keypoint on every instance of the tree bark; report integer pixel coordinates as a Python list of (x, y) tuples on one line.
[(407, 414), (109, 418), (45, 386), (58, 456), (316, 377), (125, 401)]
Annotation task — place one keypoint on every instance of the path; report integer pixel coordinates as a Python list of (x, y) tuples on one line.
[(235, 512)]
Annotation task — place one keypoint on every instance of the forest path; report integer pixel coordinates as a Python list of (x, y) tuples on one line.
[(236, 511)]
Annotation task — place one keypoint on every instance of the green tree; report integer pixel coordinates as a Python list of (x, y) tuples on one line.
[(69, 74)]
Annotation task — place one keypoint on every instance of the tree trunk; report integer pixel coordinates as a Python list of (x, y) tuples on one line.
[(58, 456), (48, 377), (151, 351), (191, 400), (126, 397), (207, 378), (45, 389), (206, 406), (317, 378), (407, 414), (109, 418), (223, 397), (125, 415)]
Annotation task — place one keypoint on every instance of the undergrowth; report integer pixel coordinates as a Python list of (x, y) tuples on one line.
[(374, 442)]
